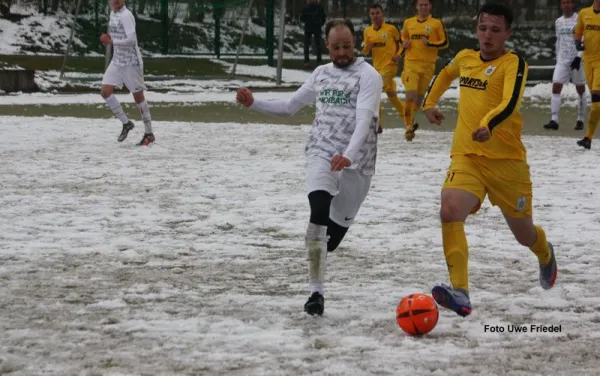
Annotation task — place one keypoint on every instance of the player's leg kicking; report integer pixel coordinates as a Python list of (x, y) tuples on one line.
[(335, 199)]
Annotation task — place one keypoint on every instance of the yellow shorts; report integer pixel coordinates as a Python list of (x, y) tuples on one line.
[(592, 74), (417, 75), (389, 84), (507, 182)]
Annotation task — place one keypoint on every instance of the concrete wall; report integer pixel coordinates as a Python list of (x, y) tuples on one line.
[(18, 80)]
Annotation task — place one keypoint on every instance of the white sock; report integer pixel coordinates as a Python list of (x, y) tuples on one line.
[(145, 110), (115, 107), (555, 106), (316, 250), (582, 107)]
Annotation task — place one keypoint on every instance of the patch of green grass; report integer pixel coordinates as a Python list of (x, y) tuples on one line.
[(534, 116), (85, 64)]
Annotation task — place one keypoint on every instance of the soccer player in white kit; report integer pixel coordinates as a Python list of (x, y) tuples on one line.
[(126, 67), (568, 65), (341, 148)]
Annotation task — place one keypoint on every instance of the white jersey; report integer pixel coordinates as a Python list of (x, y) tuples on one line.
[(339, 94), (565, 46), (122, 23)]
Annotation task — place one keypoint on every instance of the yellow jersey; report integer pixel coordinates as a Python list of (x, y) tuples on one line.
[(414, 30), (588, 27), (386, 41), (490, 96)]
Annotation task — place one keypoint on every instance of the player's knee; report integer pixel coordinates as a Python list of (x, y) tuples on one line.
[(106, 92), (556, 88), (319, 201), (335, 233), (450, 211), (139, 97)]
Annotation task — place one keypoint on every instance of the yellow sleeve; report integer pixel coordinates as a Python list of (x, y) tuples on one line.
[(404, 34), (365, 51), (399, 47), (579, 27), (515, 76), (442, 37), (442, 82)]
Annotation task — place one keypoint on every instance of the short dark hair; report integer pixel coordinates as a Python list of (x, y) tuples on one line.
[(376, 6), (497, 9), (337, 22)]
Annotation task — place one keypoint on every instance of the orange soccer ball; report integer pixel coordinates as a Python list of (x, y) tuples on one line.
[(417, 314)]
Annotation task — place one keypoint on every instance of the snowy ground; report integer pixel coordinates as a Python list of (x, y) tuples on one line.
[(187, 258), (202, 91)]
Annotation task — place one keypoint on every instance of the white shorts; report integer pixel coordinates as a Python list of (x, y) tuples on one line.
[(563, 74), (132, 76), (349, 188)]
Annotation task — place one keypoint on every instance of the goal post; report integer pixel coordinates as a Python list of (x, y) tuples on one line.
[(242, 34), (70, 42), (246, 45), (280, 44)]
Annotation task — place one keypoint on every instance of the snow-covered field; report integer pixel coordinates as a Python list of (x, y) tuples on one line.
[(187, 258), (199, 91), (263, 76)]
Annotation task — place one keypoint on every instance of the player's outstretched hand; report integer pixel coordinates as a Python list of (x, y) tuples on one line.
[(244, 97), (481, 134), (339, 162), (105, 39), (406, 44), (434, 116)]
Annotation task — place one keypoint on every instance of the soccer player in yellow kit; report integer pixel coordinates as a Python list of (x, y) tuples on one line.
[(588, 28), (487, 154), (382, 41), (422, 37)]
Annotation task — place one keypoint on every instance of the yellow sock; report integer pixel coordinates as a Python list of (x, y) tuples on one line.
[(456, 251), (398, 104), (408, 115), (593, 120), (540, 247)]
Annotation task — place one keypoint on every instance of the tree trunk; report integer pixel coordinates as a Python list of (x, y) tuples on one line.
[(5, 7), (530, 10), (195, 11), (142, 7)]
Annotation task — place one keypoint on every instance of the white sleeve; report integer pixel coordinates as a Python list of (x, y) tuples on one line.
[(367, 105), (579, 53), (369, 94), (131, 40), (557, 44), (304, 96), (364, 117), (128, 22)]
